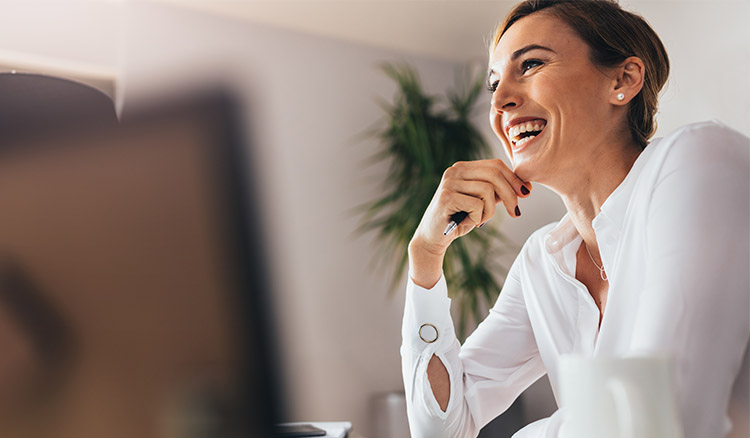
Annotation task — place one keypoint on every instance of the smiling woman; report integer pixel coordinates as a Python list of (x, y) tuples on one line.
[(574, 94)]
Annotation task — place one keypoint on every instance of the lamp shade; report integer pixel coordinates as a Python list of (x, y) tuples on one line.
[(34, 103)]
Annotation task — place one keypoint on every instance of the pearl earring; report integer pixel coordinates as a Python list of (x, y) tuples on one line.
[(620, 96)]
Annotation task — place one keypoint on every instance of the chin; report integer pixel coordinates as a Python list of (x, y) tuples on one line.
[(532, 163), (525, 175), (526, 169)]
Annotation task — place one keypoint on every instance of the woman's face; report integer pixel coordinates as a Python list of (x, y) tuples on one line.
[(544, 84)]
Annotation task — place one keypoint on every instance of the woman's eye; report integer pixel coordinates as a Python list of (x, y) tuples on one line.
[(529, 64), (491, 87)]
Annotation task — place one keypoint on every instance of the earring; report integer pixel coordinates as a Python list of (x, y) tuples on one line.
[(620, 96)]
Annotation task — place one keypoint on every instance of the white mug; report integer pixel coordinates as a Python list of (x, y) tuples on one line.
[(618, 398)]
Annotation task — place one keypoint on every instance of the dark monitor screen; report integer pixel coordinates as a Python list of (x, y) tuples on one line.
[(133, 293)]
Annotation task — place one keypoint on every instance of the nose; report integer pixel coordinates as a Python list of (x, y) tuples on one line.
[(505, 97)]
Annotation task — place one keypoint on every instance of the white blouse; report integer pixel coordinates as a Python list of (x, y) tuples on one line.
[(674, 240)]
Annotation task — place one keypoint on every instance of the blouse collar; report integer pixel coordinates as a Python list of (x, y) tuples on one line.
[(613, 209)]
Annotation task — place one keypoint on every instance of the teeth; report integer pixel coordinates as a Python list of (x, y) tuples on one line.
[(531, 126), (524, 140), (535, 125)]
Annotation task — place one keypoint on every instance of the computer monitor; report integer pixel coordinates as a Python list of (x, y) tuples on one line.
[(134, 300)]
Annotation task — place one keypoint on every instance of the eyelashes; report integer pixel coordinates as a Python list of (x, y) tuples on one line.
[(529, 64), (526, 65)]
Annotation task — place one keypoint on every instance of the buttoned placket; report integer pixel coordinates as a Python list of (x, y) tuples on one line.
[(588, 319), (563, 255)]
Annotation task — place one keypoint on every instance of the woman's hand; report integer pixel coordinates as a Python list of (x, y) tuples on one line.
[(475, 187)]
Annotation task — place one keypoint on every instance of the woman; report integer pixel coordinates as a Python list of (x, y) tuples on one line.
[(651, 257)]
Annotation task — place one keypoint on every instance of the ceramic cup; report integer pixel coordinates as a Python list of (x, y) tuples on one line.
[(618, 398)]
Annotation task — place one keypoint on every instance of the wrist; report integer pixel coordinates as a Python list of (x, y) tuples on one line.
[(425, 263), (420, 248)]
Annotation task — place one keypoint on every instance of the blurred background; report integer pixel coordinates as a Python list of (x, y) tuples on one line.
[(308, 72)]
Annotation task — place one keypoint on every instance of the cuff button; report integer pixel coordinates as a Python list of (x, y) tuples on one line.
[(428, 333)]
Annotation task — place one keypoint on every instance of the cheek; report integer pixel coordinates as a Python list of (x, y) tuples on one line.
[(497, 128), (495, 124), (580, 95), (569, 103), (554, 94)]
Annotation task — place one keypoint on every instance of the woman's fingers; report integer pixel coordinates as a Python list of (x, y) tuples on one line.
[(477, 189), (506, 184), (474, 187), (470, 204), (494, 171)]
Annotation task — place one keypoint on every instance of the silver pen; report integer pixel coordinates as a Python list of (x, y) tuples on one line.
[(456, 219)]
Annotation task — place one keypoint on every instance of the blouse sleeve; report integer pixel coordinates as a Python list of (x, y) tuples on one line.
[(497, 362), (697, 252)]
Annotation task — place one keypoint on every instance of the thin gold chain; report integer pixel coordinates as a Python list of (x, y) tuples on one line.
[(600, 268)]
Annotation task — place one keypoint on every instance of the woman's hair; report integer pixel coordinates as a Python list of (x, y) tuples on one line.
[(612, 35)]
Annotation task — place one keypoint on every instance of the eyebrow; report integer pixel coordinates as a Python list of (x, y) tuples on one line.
[(520, 52)]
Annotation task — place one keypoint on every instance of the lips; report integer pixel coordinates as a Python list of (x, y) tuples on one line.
[(522, 130)]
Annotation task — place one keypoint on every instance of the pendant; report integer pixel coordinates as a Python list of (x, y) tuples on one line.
[(603, 274)]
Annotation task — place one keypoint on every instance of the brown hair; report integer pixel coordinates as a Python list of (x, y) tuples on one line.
[(612, 35)]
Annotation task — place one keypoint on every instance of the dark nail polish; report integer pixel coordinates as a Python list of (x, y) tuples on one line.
[(482, 224), (524, 190), (518, 211)]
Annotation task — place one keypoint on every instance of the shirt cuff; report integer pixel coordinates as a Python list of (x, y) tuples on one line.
[(427, 319)]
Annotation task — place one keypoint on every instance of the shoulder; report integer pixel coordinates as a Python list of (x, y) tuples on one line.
[(699, 149), (698, 128), (706, 139)]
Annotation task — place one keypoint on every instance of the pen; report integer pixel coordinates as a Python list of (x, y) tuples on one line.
[(456, 219)]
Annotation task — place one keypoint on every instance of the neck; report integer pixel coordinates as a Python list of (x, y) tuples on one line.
[(584, 191)]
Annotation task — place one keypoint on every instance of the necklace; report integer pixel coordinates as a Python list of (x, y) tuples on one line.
[(600, 268)]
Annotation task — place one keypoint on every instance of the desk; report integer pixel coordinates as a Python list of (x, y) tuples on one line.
[(335, 429)]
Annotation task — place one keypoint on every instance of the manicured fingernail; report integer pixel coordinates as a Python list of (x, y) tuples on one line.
[(482, 224), (524, 190), (518, 211)]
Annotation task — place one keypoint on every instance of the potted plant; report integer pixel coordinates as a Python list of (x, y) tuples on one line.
[(420, 137)]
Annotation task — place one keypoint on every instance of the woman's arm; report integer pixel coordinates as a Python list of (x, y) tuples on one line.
[(474, 187), (433, 373), (426, 269), (479, 380)]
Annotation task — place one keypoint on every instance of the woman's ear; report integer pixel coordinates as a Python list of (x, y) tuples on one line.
[(628, 80)]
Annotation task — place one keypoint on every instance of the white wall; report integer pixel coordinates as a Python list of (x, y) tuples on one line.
[(708, 43)]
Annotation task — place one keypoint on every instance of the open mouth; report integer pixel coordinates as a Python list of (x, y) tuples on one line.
[(524, 132)]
